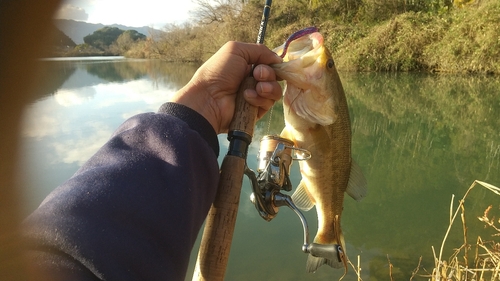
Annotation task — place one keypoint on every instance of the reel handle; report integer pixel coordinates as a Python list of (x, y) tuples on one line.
[(331, 252)]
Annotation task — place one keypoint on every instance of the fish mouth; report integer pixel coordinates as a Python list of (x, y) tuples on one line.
[(304, 69), (303, 53)]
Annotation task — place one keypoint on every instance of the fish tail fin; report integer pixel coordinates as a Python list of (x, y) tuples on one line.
[(313, 263), (336, 261)]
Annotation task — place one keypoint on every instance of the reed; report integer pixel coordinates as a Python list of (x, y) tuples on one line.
[(458, 267), (485, 265)]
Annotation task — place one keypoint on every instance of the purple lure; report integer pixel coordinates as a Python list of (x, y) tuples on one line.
[(297, 35)]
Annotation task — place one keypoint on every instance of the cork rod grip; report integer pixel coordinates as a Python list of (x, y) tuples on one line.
[(215, 245)]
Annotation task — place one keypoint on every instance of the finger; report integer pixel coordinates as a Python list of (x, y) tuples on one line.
[(270, 90), (254, 99), (253, 53), (264, 72), (261, 113)]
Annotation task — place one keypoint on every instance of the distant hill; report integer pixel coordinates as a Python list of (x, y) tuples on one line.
[(59, 39), (76, 30), (58, 43)]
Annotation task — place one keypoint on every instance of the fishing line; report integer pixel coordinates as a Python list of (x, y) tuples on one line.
[(270, 118)]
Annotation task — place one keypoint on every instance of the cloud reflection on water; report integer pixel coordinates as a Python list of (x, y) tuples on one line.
[(75, 121), (71, 97)]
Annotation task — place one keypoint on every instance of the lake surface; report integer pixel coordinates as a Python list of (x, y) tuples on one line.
[(419, 139)]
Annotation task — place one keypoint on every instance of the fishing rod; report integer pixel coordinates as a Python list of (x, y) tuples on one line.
[(221, 219)]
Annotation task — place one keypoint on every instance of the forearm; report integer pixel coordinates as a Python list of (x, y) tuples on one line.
[(133, 211)]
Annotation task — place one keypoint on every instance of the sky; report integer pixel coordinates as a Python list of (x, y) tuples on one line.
[(152, 13)]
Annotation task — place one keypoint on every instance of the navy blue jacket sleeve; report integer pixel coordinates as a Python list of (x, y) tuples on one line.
[(133, 211)]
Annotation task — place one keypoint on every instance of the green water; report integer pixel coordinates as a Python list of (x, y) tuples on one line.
[(419, 139)]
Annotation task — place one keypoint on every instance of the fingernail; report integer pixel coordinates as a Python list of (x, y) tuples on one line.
[(250, 94), (257, 72), (262, 69)]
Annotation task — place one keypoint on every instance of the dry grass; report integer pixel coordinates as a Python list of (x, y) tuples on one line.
[(486, 263)]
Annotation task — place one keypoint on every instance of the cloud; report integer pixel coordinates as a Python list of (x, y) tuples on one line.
[(68, 11), (149, 13)]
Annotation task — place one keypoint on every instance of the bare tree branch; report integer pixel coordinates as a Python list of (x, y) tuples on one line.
[(210, 11)]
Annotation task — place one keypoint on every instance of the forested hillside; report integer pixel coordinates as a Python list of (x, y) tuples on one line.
[(76, 30)]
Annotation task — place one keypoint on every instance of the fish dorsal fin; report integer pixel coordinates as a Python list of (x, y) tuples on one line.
[(357, 183), (301, 199)]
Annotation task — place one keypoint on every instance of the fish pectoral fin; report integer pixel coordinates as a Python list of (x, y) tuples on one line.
[(301, 199), (286, 134), (357, 186)]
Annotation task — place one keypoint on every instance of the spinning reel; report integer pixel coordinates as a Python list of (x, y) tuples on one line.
[(275, 158)]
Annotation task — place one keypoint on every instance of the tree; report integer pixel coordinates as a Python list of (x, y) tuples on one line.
[(126, 40), (210, 11), (134, 35), (103, 38)]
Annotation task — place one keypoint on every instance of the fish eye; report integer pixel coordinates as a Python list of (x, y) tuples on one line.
[(330, 63)]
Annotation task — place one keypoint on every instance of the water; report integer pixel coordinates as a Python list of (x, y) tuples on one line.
[(419, 139)]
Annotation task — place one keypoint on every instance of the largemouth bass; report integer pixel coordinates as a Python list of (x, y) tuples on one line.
[(317, 119)]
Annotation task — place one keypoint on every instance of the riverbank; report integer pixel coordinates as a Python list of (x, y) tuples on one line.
[(449, 39), (461, 41)]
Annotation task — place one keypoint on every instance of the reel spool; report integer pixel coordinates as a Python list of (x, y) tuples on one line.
[(275, 157)]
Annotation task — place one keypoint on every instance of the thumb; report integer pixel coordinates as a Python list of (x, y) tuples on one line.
[(253, 53)]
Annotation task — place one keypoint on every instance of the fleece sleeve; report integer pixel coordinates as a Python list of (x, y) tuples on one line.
[(133, 211)]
